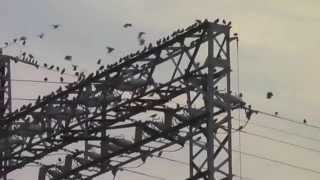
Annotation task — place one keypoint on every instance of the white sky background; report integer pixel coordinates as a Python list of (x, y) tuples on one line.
[(279, 44)]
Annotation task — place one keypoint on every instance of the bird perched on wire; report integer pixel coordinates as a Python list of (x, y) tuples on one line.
[(55, 26), (276, 113), (126, 25), (45, 65), (269, 95), (45, 79), (68, 58), (198, 21), (109, 49)]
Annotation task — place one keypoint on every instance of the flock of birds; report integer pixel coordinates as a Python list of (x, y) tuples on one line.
[(110, 49)]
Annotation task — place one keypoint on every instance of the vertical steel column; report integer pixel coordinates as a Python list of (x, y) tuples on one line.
[(5, 100), (210, 120)]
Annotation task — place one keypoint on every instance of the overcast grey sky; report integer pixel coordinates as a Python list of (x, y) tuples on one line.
[(279, 44)]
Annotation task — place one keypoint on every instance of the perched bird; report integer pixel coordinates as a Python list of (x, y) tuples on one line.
[(55, 26), (41, 35), (109, 49), (269, 95), (248, 112), (276, 113), (101, 68), (127, 25), (62, 71), (216, 21), (74, 67), (198, 21), (6, 44), (24, 43), (304, 121), (235, 34), (15, 40), (99, 61), (30, 56), (141, 34), (141, 42), (45, 65), (76, 73), (61, 79), (51, 67), (153, 115), (160, 153), (58, 68), (45, 79), (68, 58), (224, 21), (23, 38)]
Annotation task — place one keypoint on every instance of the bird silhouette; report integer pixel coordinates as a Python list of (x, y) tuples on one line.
[(41, 35), (23, 38), (141, 42), (224, 21), (101, 68), (235, 34), (62, 71), (126, 25), (24, 43), (109, 49), (99, 61), (74, 67), (45, 79), (45, 65), (51, 67), (269, 95), (61, 79), (68, 58), (55, 26), (15, 40), (198, 21), (141, 34), (276, 113), (216, 21), (58, 68), (6, 44), (304, 121)]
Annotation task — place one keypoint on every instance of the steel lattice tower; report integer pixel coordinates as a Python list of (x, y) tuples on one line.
[(185, 79)]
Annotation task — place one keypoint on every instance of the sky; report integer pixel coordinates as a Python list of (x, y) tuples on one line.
[(278, 52)]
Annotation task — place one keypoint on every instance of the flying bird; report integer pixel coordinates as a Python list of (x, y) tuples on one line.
[(127, 25), (109, 49), (99, 61), (269, 95), (55, 26), (68, 58), (141, 34)]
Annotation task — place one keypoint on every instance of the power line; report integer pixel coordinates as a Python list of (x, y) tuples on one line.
[(279, 162), (281, 141), (38, 81), (287, 119)]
